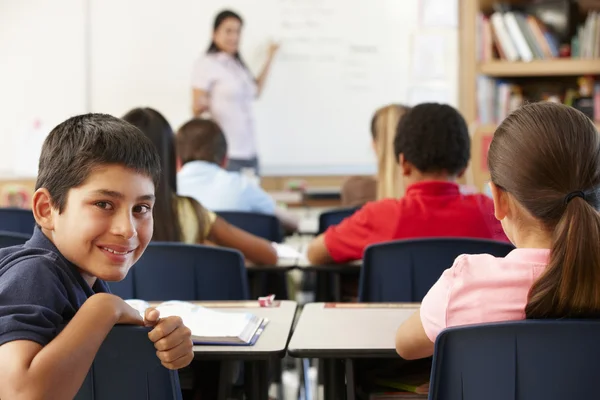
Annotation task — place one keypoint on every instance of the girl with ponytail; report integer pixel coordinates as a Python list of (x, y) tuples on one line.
[(544, 163)]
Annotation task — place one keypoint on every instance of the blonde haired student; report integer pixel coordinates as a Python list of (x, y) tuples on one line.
[(544, 163), (357, 190)]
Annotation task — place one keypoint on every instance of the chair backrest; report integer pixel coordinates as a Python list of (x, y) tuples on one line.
[(262, 225), (8, 239), (405, 270), (543, 359), (334, 217), (17, 220), (177, 271), (126, 367)]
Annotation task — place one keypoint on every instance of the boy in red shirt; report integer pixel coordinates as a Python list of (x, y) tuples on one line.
[(432, 146)]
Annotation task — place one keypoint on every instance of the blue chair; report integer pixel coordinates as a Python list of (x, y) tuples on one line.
[(125, 289), (405, 270), (126, 367), (533, 359), (261, 225), (176, 271), (8, 239), (334, 217), (17, 220), (267, 227)]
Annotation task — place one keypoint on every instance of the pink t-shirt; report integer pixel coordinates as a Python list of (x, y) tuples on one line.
[(482, 288)]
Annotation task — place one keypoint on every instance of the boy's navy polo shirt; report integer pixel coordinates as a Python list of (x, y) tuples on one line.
[(39, 291)]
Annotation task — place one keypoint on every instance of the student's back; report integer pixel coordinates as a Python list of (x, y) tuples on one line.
[(544, 164), (202, 150), (432, 146), (221, 190)]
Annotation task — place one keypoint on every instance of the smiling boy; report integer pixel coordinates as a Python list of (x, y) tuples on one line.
[(93, 208)]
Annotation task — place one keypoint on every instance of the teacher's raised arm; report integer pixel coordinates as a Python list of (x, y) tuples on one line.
[(224, 87)]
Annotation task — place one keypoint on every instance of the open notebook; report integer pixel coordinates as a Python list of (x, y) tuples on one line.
[(209, 326)]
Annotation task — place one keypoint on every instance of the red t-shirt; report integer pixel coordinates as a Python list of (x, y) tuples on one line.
[(429, 209)]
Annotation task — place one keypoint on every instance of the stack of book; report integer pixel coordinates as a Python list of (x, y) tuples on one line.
[(496, 98), (586, 44), (515, 36), (537, 33)]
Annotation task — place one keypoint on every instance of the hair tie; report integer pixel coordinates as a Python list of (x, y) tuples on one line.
[(572, 195)]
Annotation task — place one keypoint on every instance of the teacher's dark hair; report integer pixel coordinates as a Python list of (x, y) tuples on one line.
[(156, 128), (201, 140), (219, 19), (540, 154)]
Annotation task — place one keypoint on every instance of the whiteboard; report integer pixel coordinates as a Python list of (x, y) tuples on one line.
[(339, 61), (42, 76)]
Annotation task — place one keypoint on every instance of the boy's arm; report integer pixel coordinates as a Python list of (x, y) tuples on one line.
[(317, 252), (57, 371)]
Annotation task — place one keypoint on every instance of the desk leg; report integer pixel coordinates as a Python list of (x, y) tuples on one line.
[(256, 380), (350, 383), (337, 286), (322, 287), (334, 379), (224, 380)]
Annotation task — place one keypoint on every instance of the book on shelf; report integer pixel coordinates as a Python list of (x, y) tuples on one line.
[(496, 98), (514, 36), (210, 327), (537, 31)]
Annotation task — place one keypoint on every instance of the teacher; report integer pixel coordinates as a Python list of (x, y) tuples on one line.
[(223, 86)]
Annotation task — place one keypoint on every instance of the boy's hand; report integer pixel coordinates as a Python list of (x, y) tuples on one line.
[(172, 339)]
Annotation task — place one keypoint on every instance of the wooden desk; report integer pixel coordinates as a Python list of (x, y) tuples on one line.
[(346, 332)]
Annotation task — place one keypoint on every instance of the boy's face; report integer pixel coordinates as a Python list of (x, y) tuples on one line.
[(106, 223)]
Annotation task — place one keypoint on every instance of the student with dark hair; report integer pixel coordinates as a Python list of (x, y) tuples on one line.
[(202, 151), (183, 219), (544, 162), (93, 207), (223, 86), (432, 146)]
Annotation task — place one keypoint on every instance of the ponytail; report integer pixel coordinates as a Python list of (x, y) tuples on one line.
[(570, 286)]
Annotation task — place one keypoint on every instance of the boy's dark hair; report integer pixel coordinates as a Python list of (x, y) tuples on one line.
[(434, 138), (74, 148), (201, 140)]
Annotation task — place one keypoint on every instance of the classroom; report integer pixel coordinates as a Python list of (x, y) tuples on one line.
[(299, 199)]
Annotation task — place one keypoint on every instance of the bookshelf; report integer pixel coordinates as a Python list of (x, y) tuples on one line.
[(530, 73)]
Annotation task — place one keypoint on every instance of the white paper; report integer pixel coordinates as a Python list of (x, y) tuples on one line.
[(202, 321), (439, 13), (426, 94), (429, 56), (286, 251)]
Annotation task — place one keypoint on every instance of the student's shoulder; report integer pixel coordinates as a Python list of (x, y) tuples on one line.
[(29, 267), (390, 207), (475, 264)]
